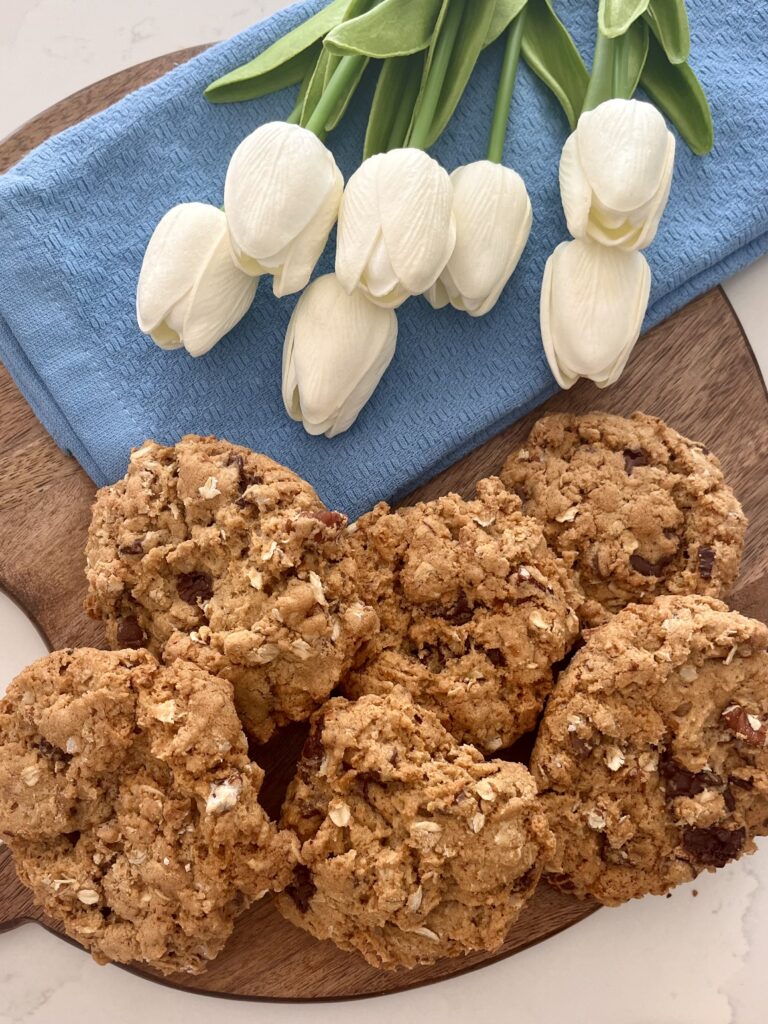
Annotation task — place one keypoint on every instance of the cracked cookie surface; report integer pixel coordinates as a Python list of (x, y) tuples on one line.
[(474, 611), (413, 847), (635, 508), (651, 758), (211, 553), (130, 805)]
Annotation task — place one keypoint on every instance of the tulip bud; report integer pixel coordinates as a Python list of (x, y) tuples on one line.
[(396, 227), (336, 351), (493, 221), (593, 301), (282, 196), (190, 293), (616, 173)]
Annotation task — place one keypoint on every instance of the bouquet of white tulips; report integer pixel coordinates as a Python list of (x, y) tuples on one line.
[(407, 228)]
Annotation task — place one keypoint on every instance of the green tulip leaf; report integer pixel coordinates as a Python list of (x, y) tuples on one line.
[(551, 54), (669, 22), (473, 31), (284, 63), (393, 104), (676, 90), (629, 59), (505, 13), (393, 28), (615, 16)]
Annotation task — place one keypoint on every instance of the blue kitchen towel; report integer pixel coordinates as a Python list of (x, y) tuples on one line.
[(76, 215)]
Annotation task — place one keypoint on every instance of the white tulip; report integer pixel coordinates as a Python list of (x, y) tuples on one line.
[(336, 351), (593, 301), (616, 173), (396, 227), (493, 221), (190, 293), (281, 196)]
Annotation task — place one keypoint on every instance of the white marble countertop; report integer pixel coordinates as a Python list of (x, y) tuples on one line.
[(692, 959)]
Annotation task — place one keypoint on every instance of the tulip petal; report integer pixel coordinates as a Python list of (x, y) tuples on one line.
[(593, 303), (278, 180), (180, 244), (294, 266), (442, 291), (575, 191), (336, 350), (415, 200), (221, 297), (657, 205), (623, 151), (493, 221), (359, 225)]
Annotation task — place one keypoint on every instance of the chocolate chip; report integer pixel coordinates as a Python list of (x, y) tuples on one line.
[(715, 846), (706, 563), (634, 457), (136, 547), (682, 710), (394, 758), (679, 781), (729, 799), (740, 783), (328, 518), (194, 586), (130, 633), (580, 747), (48, 750), (495, 656), (302, 889), (646, 568), (313, 752)]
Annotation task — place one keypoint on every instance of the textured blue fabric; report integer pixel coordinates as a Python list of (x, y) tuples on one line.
[(75, 217)]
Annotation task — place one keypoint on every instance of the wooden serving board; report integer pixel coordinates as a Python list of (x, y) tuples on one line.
[(696, 371)]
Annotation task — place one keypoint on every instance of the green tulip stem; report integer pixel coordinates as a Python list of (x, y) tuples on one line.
[(346, 72), (601, 81), (437, 74), (506, 89)]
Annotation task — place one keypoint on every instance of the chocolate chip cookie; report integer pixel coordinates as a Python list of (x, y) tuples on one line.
[(651, 758), (211, 553), (474, 611), (413, 847), (130, 805), (635, 508)]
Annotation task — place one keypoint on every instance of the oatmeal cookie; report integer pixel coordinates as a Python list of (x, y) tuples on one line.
[(211, 553), (474, 610), (130, 805), (413, 847), (651, 758), (635, 508)]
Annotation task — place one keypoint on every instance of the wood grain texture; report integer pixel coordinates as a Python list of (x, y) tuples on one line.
[(696, 371)]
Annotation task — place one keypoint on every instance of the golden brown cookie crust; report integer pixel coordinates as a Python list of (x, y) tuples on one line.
[(474, 611), (213, 554), (413, 847), (635, 508), (130, 805), (651, 757)]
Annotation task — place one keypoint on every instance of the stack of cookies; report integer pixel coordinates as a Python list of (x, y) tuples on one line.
[(418, 644)]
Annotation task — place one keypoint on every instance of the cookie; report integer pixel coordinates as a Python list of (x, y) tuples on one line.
[(130, 805), (635, 509), (651, 757), (474, 611), (210, 553), (413, 847)]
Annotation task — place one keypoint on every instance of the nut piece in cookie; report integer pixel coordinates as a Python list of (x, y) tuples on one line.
[(474, 610), (213, 554), (413, 847), (651, 758), (130, 806), (635, 508)]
